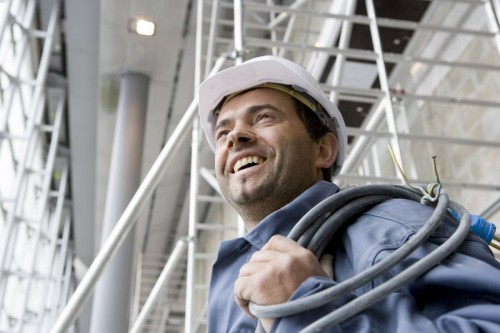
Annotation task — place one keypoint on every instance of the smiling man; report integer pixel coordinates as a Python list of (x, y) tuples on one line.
[(278, 141), (259, 145)]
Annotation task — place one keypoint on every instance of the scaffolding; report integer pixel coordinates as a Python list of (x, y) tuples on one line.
[(400, 79), (425, 83)]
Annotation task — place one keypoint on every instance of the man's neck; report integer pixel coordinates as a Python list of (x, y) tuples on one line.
[(254, 211), (252, 214)]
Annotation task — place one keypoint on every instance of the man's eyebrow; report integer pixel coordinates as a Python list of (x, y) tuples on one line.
[(250, 111), (221, 123), (256, 108)]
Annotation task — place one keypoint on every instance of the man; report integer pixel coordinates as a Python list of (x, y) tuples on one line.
[(277, 142)]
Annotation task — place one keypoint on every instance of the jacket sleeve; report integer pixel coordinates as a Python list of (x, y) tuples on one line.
[(446, 299), (461, 294)]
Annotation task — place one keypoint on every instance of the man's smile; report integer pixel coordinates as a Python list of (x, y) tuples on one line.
[(246, 162)]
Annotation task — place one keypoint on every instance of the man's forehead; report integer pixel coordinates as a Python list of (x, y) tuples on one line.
[(266, 96)]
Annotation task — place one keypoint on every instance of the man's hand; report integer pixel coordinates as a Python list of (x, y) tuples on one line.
[(274, 273)]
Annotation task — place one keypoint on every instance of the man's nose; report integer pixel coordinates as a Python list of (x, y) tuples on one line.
[(238, 137)]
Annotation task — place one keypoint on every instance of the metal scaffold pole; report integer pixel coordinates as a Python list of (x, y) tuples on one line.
[(125, 223), (384, 83)]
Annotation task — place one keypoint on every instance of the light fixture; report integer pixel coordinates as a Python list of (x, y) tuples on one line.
[(142, 26)]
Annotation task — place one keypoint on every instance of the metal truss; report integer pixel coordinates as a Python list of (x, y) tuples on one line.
[(35, 250)]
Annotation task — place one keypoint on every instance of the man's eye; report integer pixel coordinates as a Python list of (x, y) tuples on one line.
[(221, 134), (263, 116)]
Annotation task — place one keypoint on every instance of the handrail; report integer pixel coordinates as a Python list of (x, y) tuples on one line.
[(129, 217), (165, 274), (124, 224)]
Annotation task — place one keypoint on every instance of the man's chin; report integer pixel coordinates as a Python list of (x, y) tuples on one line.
[(242, 194)]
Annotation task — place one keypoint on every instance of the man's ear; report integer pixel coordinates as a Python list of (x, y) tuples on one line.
[(327, 151)]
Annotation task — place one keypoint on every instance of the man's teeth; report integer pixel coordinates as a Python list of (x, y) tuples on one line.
[(247, 160)]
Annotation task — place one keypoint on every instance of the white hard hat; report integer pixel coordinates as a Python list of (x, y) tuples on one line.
[(260, 70)]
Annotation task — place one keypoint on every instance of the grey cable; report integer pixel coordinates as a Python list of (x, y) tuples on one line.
[(323, 297), (319, 225), (369, 298)]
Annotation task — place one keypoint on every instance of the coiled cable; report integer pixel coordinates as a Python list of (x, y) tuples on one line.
[(321, 223)]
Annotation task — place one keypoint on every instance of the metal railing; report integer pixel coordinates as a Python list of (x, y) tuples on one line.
[(125, 223), (160, 284)]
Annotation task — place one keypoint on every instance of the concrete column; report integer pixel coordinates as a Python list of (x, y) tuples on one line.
[(110, 310)]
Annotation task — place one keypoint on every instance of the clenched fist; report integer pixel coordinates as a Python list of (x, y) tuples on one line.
[(274, 273)]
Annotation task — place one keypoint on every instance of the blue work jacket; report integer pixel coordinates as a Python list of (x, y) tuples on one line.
[(462, 294)]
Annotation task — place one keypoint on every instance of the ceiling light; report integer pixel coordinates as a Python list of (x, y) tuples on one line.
[(142, 26)]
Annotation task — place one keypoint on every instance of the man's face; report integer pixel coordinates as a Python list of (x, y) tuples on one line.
[(264, 155)]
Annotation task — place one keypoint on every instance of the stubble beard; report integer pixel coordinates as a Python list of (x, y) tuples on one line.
[(256, 200), (249, 194)]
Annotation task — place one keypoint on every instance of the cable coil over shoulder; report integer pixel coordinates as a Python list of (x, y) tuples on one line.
[(319, 225)]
